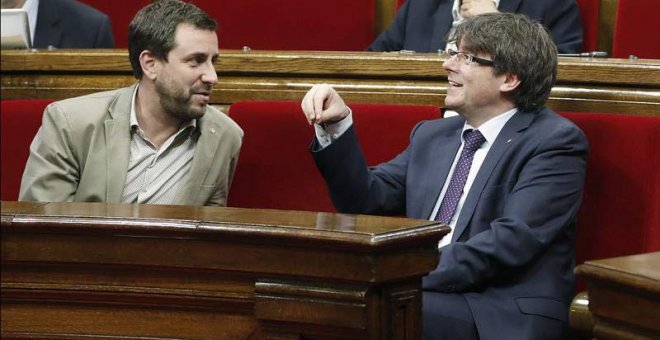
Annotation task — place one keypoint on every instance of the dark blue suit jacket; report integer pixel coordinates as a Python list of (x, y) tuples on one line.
[(514, 240), (422, 25), (71, 24)]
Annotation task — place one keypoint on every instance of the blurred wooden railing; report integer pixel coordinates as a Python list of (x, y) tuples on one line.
[(584, 84)]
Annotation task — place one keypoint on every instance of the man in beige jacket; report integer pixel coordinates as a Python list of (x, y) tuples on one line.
[(157, 141)]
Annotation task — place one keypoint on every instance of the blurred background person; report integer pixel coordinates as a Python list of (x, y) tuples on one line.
[(65, 24), (423, 25)]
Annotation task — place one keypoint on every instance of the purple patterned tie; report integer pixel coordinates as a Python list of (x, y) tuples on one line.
[(473, 140)]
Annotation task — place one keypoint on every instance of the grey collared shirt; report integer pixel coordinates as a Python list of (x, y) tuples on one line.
[(157, 175)]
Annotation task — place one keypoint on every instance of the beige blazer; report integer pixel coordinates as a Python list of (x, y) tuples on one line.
[(81, 153)]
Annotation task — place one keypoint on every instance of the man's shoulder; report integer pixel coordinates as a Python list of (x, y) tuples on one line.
[(88, 107), (547, 120), (549, 125), (78, 10)]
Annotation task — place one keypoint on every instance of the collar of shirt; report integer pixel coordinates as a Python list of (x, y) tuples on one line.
[(32, 8), (492, 127), (456, 11), (133, 116)]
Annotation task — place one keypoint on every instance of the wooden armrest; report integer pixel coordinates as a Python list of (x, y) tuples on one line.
[(580, 318)]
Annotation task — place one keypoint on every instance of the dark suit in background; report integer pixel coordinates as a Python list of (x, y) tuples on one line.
[(422, 25), (71, 24)]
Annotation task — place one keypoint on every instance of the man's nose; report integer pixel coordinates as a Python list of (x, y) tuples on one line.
[(449, 64), (210, 76)]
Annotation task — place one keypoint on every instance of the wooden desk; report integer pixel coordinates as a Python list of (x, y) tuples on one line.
[(624, 296), (589, 85), (71, 270)]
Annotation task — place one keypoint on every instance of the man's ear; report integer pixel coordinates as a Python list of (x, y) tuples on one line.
[(150, 65), (510, 83)]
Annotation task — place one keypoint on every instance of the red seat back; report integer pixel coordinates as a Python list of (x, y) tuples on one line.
[(636, 28), (275, 169), (339, 25), (21, 120), (590, 12), (620, 214)]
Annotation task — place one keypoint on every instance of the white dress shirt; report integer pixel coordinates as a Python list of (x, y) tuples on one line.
[(490, 130), (32, 9)]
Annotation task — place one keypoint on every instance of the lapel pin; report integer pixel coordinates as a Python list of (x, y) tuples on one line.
[(509, 141)]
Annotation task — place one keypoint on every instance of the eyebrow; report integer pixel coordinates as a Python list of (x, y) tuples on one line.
[(201, 55)]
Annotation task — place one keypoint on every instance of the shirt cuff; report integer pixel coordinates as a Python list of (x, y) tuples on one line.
[(328, 133)]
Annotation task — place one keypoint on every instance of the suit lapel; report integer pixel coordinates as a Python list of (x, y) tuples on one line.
[(507, 137), (118, 144), (47, 31), (443, 154), (207, 145), (442, 22)]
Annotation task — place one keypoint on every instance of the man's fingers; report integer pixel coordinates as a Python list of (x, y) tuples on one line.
[(307, 105), (320, 97), (322, 103)]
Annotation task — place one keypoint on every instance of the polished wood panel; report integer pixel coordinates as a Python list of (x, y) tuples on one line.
[(584, 84), (74, 270), (623, 298)]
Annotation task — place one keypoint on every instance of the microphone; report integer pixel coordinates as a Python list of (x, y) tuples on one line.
[(594, 54)]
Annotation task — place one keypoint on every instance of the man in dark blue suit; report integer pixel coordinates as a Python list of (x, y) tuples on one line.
[(423, 25), (71, 24), (506, 269), (65, 24)]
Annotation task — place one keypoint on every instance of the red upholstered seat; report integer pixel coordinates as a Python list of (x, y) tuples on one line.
[(620, 214), (589, 12), (21, 120), (275, 169), (338, 25), (636, 29)]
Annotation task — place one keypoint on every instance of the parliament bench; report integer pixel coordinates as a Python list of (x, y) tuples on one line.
[(619, 214)]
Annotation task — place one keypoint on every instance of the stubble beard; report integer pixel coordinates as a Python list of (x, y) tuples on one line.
[(178, 103)]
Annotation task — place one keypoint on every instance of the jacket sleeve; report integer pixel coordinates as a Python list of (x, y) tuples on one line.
[(105, 39), (392, 38), (562, 18), (52, 172), (354, 187)]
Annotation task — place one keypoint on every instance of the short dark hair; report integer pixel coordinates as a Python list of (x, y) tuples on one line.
[(154, 28), (516, 45)]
